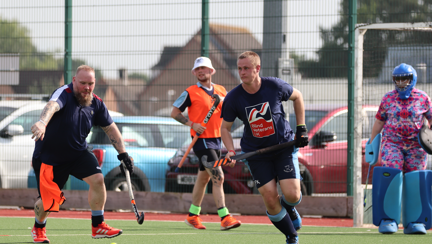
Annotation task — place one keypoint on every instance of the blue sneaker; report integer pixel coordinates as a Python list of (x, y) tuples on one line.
[(298, 221), (388, 226), (292, 240), (415, 228)]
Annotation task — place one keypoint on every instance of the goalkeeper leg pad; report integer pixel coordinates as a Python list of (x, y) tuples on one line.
[(417, 202), (386, 197)]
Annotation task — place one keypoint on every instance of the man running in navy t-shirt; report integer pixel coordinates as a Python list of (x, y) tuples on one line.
[(61, 150), (258, 103)]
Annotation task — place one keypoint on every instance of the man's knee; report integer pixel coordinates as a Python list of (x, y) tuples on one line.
[(96, 180)]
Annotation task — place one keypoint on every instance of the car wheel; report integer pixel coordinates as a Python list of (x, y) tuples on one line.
[(307, 183), (120, 184)]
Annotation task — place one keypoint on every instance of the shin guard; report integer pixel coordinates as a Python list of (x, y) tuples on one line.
[(417, 198), (386, 194)]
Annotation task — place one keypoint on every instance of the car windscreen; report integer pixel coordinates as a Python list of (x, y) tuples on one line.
[(145, 135), (311, 116), (5, 111)]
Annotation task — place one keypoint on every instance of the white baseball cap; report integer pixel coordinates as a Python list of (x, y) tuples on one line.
[(203, 61)]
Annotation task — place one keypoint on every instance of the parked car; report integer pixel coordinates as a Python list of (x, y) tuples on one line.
[(323, 163), (151, 141)]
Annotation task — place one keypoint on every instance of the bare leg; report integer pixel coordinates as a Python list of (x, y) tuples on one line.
[(271, 197), (40, 213), (217, 177), (97, 191), (199, 188)]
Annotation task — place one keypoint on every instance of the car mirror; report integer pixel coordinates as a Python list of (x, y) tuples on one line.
[(322, 137), (12, 130)]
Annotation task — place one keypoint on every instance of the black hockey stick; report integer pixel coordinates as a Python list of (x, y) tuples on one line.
[(139, 217), (224, 161)]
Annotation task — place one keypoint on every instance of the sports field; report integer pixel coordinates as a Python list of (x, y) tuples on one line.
[(71, 230)]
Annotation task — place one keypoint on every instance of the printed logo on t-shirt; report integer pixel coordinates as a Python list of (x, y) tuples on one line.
[(260, 120)]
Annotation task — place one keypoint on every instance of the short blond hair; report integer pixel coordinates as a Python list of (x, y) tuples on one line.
[(84, 67), (253, 57)]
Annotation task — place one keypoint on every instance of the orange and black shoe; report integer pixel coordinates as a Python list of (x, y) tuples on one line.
[(229, 222), (105, 231), (39, 235), (195, 222)]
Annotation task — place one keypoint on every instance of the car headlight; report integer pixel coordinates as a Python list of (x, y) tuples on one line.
[(250, 183), (193, 159)]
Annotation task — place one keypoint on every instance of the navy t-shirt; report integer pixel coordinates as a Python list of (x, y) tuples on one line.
[(262, 113), (66, 133)]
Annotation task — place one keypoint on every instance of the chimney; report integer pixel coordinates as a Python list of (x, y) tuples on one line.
[(123, 76)]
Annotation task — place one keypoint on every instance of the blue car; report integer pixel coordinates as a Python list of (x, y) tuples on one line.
[(151, 141)]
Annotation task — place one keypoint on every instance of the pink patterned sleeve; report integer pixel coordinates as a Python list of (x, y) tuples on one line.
[(381, 114), (428, 105)]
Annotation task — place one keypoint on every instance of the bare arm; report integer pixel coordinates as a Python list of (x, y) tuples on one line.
[(376, 129), (39, 128), (177, 115), (299, 109), (115, 137)]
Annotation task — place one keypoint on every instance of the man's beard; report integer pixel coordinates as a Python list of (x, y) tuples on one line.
[(84, 101)]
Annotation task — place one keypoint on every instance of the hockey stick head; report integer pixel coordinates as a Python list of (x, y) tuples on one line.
[(217, 163), (140, 218)]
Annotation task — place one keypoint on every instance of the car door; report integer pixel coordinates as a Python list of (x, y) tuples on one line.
[(17, 152), (330, 160)]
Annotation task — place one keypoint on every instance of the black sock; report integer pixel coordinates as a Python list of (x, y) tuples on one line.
[(286, 226), (290, 209), (39, 225), (97, 220), (191, 214)]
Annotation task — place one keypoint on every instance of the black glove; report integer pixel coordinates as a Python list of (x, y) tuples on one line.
[(128, 161), (301, 136)]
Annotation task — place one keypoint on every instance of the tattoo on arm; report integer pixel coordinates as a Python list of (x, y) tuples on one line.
[(115, 138), (180, 118), (49, 111)]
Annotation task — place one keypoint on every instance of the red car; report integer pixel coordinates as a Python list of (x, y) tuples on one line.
[(323, 163)]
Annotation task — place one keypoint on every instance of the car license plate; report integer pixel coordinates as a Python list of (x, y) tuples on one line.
[(186, 179)]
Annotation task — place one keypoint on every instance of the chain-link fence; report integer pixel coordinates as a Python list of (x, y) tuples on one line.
[(143, 52)]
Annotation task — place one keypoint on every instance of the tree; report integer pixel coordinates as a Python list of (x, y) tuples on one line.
[(139, 76), (333, 55)]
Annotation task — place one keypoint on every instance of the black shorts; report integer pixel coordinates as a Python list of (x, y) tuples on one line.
[(84, 166), (212, 155), (279, 166)]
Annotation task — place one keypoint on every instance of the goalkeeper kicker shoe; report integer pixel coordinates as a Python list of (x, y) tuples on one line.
[(39, 235), (195, 222), (229, 222), (105, 231), (415, 228), (292, 240), (387, 226)]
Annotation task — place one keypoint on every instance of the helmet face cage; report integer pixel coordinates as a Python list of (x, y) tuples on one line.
[(402, 77)]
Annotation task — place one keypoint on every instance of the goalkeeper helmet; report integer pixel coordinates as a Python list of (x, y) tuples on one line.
[(402, 73)]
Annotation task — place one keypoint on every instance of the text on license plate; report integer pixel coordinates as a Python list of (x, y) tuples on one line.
[(186, 179)]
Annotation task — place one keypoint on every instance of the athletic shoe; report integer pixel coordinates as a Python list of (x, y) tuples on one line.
[(415, 228), (105, 231), (387, 226), (297, 222), (229, 222), (195, 222), (292, 240), (39, 235)]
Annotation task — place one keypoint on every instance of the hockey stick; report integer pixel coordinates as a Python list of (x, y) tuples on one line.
[(139, 217), (207, 118), (224, 161)]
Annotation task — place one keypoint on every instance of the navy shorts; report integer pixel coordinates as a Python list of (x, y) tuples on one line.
[(279, 166), (84, 166), (212, 155)]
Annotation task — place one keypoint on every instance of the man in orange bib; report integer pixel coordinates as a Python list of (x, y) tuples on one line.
[(198, 100)]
